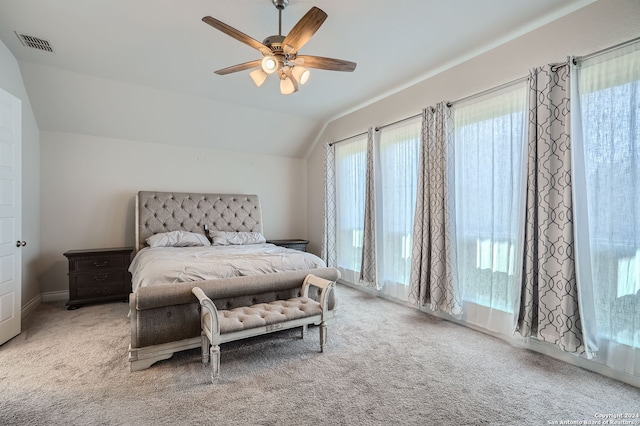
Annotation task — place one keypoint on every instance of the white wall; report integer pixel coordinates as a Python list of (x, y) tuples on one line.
[(89, 185), (597, 26), (11, 81)]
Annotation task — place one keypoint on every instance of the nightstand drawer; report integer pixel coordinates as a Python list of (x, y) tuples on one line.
[(102, 263), (104, 290), (87, 280)]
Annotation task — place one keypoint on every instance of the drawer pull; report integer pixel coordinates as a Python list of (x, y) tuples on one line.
[(100, 277), (100, 264)]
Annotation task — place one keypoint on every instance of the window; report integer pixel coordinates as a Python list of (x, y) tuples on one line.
[(609, 102), (350, 189), (489, 146), (395, 176), (397, 181)]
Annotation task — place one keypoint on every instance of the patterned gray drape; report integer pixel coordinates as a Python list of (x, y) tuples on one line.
[(432, 280), (329, 253), (368, 267), (549, 296)]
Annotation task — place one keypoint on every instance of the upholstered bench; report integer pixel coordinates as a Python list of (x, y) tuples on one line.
[(221, 326)]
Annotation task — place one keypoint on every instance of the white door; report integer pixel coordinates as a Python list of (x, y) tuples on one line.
[(10, 215)]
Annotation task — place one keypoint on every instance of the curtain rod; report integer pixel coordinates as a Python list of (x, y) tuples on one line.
[(346, 139), (485, 92), (502, 86), (396, 122), (600, 52), (557, 65)]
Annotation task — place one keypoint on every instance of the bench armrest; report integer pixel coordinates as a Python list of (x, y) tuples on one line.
[(210, 325), (327, 287)]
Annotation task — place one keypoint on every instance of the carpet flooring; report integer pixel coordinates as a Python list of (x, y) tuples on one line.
[(385, 364)]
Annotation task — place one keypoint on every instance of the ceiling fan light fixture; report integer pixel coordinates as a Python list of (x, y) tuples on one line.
[(258, 76), (301, 74), (269, 64), (286, 86)]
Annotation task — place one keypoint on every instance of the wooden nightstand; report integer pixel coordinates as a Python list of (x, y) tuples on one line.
[(293, 244), (98, 275)]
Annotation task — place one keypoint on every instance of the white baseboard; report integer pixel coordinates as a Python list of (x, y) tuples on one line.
[(31, 305), (51, 296), (54, 296)]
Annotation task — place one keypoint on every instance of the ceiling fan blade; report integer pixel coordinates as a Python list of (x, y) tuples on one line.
[(240, 67), (305, 28), (326, 63), (238, 35)]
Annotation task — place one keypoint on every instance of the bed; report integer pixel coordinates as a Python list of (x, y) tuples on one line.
[(174, 233)]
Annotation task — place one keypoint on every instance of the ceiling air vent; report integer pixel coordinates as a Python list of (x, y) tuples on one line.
[(35, 42)]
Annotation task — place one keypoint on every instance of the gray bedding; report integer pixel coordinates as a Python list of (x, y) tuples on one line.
[(172, 265)]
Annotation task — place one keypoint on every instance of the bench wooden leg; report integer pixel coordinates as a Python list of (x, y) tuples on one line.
[(205, 349), (304, 331), (215, 362), (323, 336)]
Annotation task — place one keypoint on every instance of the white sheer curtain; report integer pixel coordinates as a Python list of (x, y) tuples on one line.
[(350, 167), (608, 124), (397, 179), (489, 141)]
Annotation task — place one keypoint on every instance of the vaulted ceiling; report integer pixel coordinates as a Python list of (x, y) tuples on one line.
[(143, 70)]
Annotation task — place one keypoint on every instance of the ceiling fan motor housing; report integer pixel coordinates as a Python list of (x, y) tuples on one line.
[(274, 43)]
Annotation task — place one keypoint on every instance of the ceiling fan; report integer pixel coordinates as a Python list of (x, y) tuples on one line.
[(280, 53)]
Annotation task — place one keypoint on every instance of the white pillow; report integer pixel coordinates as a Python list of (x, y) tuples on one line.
[(178, 239), (224, 238)]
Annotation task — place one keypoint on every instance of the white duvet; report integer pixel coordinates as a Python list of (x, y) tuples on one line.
[(170, 265)]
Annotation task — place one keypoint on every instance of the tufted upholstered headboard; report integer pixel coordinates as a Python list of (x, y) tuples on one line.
[(181, 211)]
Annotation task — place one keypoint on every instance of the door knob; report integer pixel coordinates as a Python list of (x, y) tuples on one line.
[(21, 243)]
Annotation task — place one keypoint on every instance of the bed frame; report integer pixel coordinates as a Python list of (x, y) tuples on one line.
[(165, 319)]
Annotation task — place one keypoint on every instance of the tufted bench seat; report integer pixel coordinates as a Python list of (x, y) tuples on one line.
[(221, 326)]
